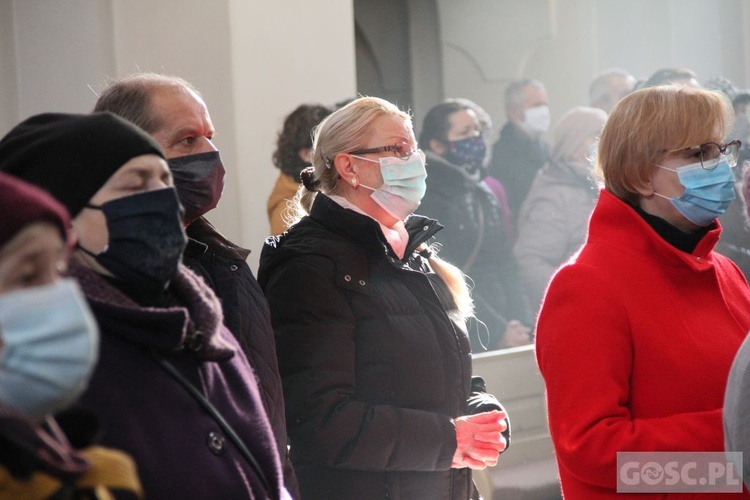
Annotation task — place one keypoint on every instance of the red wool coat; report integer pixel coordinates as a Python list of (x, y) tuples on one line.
[(635, 340)]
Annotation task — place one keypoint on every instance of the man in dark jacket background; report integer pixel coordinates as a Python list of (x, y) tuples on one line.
[(172, 111), (521, 151)]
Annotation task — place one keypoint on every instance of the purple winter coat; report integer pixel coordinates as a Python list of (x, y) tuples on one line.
[(180, 450), (223, 266)]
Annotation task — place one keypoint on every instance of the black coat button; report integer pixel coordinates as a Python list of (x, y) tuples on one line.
[(215, 443)]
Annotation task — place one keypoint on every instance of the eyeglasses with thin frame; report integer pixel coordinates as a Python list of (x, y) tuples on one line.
[(711, 151), (400, 150)]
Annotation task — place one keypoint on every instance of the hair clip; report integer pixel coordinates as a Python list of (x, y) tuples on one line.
[(307, 176), (425, 252)]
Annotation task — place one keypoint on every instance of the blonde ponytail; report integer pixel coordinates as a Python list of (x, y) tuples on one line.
[(455, 280)]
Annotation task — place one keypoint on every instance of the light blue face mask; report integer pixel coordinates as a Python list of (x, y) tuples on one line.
[(708, 191), (50, 347), (403, 186)]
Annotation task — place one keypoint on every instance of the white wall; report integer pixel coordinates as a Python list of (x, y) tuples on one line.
[(284, 53), (254, 61), (60, 47)]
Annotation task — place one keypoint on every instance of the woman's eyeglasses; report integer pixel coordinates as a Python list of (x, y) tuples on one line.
[(401, 150), (710, 151)]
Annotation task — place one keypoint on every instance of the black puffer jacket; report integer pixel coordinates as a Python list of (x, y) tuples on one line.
[(223, 267), (373, 367), (475, 240)]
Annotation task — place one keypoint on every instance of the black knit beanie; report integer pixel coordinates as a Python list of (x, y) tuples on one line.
[(72, 156)]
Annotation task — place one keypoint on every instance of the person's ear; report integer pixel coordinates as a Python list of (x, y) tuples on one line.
[(346, 168), (516, 114), (645, 187), (305, 154), (437, 146), (89, 228)]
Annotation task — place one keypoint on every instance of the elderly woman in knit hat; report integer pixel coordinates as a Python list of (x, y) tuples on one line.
[(49, 345), (172, 387), (553, 218)]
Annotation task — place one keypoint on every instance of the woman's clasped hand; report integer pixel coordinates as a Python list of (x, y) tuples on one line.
[(479, 439)]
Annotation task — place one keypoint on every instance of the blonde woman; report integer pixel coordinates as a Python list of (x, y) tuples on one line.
[(638, 330), (373, 350)]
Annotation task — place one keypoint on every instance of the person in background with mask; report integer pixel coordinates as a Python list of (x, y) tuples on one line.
[(671, 76), (49, 345), (737, 395), (172, 387), (741, 130), (735, 235), (638, 330), (474, 237), (369, 325), (293, 153), (172, 111), (521, 151), (723, 85), (553, 219), (609, 87), (497, 188)]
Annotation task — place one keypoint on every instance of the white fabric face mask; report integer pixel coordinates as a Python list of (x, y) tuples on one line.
[(536, 120), (50, 347), (403, 186)]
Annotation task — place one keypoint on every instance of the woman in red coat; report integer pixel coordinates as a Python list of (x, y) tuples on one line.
[(638, 330)]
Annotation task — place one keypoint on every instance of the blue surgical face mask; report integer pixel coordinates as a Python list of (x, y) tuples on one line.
[(708, 191), (403, 186), (50, 347)]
